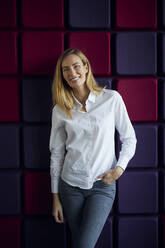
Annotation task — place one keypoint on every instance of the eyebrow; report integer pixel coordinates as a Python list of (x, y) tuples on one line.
[(72, 64)]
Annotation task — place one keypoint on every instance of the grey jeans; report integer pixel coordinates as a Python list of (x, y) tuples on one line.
[(86, 210)]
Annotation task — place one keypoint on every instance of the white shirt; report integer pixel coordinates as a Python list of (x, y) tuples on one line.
[(84, 147)]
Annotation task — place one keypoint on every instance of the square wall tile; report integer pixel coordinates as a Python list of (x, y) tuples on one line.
[(136, 53), (9, 97), (43, 13), (10, 192), (146, 154), (40, 51), (38, 108), (10, 229), (140, 97), (8, 51), (10, 147), (140, 231), (138, 192), (43, 232), (136, 14), (37, 193), (96, 46), (89, 14), (8, 13), (36, 147)]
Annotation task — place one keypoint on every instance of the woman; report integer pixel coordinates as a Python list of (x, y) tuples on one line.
[(83, 165)]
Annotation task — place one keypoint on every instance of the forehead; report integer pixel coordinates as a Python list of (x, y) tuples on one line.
[(71, 59)]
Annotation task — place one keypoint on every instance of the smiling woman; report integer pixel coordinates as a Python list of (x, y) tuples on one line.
[(83, 164)]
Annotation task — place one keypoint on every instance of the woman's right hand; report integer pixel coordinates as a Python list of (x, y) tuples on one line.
[(57, 211)]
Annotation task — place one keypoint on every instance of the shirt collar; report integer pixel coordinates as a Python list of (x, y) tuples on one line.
[(91, 98)]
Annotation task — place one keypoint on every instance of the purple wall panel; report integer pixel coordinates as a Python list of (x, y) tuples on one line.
[(43, 232), (43, 13), (146, 155), (38, 90), (10, 192), (9, 97), (96, 46), (138, 192), (9, 147), (163, 145), (40, 50), (163, 53), (89, 14), (10, 229), (136, 14), (125, 44), (36, 147), (37, 193), (140, 97), (8, 13), (136, 53), (163, 100), (138, 232), (8, 51)]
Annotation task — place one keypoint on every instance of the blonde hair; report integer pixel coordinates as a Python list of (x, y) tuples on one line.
[(62, 92)]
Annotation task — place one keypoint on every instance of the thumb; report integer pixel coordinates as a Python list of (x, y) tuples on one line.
[(101, 176)]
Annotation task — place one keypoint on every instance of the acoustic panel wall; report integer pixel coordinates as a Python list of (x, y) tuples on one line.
[(125, 44)]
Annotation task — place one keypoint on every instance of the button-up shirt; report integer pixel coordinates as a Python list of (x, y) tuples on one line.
[(83, 147)]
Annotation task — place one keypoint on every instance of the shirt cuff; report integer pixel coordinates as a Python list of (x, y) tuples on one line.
[(123, 162), (54, 186)]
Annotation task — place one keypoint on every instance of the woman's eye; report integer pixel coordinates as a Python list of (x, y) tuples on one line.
[(77, 66), (65, 69)]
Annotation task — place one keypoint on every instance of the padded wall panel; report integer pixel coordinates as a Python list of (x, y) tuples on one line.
[(138, 192), (43, 13), (43, 232), (136, 14), (146, 154), (9, 147), (140, 97), (163, 191), (163, 53), (8, 13), (163, 100), (38, 108), (36, 147), (37, 193), (40, 51), (9, 99), (10, 229), (10, 192), (96, 46), (136, 53), (8, 51), (89, 14), (106, 238), (163, 145), (104, 82), (163, 12), (135, 232)]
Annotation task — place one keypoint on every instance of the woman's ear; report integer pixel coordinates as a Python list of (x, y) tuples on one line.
[(86, 67)]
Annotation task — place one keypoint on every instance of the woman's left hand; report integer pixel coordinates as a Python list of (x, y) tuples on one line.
[(112, 175)]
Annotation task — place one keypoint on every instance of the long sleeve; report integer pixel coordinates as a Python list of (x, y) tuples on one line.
[(126, 133), (57, 149)]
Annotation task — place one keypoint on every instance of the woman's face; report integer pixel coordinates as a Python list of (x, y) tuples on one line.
[(74, 71)]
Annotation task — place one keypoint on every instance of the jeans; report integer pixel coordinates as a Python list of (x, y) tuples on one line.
[(86, 210)]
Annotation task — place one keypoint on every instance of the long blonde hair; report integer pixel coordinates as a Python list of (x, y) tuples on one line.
[(62, 92)]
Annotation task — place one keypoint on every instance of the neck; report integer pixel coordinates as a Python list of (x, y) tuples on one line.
[(81, 94)]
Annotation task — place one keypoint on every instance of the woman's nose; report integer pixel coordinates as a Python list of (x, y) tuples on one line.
[(72, 71)]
